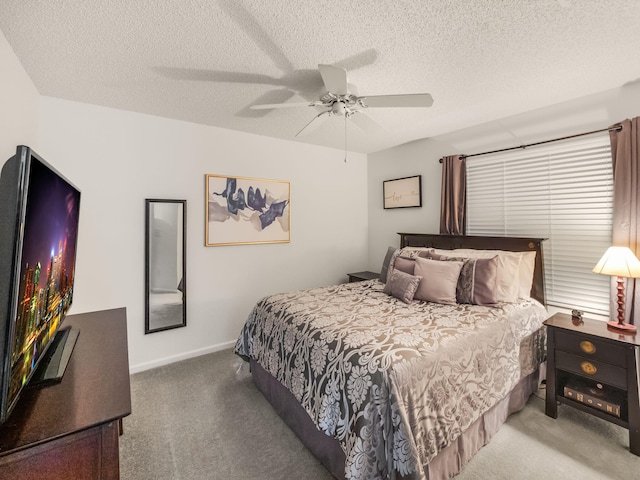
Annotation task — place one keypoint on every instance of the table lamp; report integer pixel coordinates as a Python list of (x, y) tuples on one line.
[(620, 262)]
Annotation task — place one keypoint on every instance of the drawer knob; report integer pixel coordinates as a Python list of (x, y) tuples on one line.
[(587, 347), (588, 368)]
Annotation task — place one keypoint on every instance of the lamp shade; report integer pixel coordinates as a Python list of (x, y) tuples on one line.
[(619, 261)]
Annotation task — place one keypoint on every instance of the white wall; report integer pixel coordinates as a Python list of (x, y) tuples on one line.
[(119, 158), (18, 104), (421, 157)]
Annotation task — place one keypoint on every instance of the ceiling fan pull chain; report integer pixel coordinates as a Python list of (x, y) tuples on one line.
[(345, 138)]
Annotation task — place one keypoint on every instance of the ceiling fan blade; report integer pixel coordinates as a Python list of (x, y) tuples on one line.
[(314, 123), (358, 60), (280, 95), (254, 30), (366, 123), (285, 105), (334, 78), (201, 75), (402, 100)]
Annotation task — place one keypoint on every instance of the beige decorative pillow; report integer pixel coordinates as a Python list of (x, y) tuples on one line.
[(477, 283), (508, 283), (526, 266), (439, 280)]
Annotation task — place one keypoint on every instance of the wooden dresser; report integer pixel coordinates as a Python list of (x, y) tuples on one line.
[(70, 430)]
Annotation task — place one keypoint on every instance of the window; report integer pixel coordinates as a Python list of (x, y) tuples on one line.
[(561, 191)]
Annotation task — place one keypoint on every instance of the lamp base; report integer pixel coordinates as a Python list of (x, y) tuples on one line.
[(622, 327)]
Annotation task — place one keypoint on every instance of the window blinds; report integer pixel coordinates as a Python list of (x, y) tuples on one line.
[(561, 191)]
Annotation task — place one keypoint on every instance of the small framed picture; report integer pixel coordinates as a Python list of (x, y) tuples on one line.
[(402, 192)]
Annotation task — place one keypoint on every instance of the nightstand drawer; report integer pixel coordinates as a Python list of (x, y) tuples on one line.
[(591, 348), (592, 368)]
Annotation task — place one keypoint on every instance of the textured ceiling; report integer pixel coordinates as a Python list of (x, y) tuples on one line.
[(207, 61)]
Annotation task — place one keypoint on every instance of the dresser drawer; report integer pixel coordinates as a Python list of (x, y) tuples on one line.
[(590, 348), (591, 368)]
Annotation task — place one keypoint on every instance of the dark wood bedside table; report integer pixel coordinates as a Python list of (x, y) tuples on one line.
[(360, 276), (586, 352)]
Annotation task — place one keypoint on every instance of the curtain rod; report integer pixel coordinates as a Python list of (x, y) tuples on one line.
[(611, 129)]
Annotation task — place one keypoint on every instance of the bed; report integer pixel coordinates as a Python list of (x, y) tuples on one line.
[(378, 387)]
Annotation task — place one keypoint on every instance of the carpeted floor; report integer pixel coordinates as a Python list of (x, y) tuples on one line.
[(203, 419)]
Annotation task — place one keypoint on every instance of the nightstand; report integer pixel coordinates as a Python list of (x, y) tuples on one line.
[(360, 276), (586, 353)]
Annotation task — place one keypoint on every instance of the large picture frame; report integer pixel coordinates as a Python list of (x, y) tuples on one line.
[(403, 192), (244, 211)]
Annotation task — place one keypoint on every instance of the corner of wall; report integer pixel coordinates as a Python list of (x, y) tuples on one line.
[(19, 100)]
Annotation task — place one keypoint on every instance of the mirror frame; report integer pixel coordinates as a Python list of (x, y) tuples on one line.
[(147, 264)]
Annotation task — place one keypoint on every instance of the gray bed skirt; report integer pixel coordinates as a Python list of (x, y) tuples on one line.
[(446, 464)]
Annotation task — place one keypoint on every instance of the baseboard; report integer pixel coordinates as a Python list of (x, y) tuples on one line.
[(141, 367)]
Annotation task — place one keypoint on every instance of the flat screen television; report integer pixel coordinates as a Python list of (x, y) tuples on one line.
[(39, 212)]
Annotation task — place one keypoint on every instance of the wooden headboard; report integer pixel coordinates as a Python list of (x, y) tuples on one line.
[(512, 244)]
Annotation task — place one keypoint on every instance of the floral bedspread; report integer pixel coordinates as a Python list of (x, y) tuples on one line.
[(394, 383)]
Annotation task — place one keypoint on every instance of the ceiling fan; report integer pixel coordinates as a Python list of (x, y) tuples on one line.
[(342, 100)]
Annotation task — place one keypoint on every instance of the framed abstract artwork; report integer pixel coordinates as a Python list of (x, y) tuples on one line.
[(241, 211), (402, 192)]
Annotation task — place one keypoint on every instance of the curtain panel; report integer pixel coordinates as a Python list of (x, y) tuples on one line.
[(453, 202), (626, 205)]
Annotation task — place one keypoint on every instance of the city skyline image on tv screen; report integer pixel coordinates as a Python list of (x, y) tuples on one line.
[(47, 268)]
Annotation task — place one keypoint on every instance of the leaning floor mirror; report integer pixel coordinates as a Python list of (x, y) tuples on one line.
[(165, 265)]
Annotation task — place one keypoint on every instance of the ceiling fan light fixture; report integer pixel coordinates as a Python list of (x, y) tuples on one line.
[(338, 108)]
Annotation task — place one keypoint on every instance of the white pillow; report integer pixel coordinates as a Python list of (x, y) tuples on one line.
[(527, 266)]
